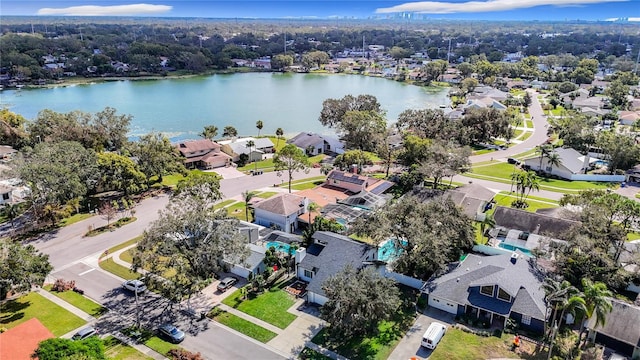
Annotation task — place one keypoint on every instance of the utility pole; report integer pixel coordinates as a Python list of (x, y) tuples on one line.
[(553, 338)]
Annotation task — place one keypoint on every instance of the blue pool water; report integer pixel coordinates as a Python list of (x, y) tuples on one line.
[(388, 251), (601, 163), (279, 246), (511, 247)]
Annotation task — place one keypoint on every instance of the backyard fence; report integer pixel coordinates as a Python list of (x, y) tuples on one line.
[(594, 177), (404, 280)]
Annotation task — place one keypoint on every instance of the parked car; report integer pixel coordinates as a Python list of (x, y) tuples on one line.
[(135, 286), (171, 333), (513, 161), (432, 336), (226, 283), (84, 333)]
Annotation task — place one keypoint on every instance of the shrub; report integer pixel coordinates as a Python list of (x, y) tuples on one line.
[(182, 354), (60, 285), (497, 333)]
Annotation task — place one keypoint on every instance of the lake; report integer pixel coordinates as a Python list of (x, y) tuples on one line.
[(181, 108)]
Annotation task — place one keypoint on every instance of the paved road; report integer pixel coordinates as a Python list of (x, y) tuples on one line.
[(538, 137)]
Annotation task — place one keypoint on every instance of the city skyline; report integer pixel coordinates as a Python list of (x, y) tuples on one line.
[(521, 10)]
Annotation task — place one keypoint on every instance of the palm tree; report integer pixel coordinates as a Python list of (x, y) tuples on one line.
[(311, 208), (544, 151), (525, 181), (558, 294), (250, 144), (209, 132), (596, 297), (553, 159), (229, 131), (279, 133), (259, 125), (247, 195), (488, 223)]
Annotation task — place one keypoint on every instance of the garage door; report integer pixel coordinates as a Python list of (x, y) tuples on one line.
[(443, 305), (242, 272)]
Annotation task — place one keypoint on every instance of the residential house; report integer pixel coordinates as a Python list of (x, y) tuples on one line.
[(314, 144), (283, 237), (474, 199), (349, 209), (203, 154), (236, 147), (571, 163), (484, 102), (329, 254), (281, 212), (22, 340), (629, 117), (253, 264), (621, 330), (493, 289), (581, 99), (357, 183)]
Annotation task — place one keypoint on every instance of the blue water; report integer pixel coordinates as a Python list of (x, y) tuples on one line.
[(388, 251), (511, 247), (601, 163), (279, 246)]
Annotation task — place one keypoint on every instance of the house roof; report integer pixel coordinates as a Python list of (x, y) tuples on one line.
[(283, 204), (304, 140), (569, 158), (21, 341), (469, 197), (373, 185), (330, 253), (282, 236), (519, 278), (191, 146), (324, 195), (532, 222), (622, 323), (365, 200)]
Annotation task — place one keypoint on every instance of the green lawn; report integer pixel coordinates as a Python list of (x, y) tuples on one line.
[(504, 199), (459, 345), (127, 256), (237, 211), (123, 245), (160, 345), (222, 204), (117, 350), (633, 236), (309, 179), (517, 133), (81, 302), (33, 305), (501, 172), (277, 144), (305, 185), (118, 270), (246, 327), (266, 194), (525, 136), (529, 123), (316, 159), (525, 154), (74, 219), (264, 165), (173, 179), (270, 306)]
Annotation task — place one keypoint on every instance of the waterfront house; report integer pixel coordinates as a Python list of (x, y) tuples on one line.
[(203, 154), (314, 144), (356, 183), (280, 212)]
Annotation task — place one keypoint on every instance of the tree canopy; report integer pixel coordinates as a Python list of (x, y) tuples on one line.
[(21, 267), (290, 159)]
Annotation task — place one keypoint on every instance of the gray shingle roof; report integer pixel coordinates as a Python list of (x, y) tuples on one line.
[(330, 254), (304, 140), (282, 236), (622, 323), (519, 279), (532, 222)]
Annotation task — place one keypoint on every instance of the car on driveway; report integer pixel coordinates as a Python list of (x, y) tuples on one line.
[(84, 333), (171, 333), (135, 286), (226, 283)]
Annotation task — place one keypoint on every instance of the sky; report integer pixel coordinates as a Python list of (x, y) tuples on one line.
[(519, 10)]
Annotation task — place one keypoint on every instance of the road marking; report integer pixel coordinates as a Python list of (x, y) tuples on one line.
[(86, 272)]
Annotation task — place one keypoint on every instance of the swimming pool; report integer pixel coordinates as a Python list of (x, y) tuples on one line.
[(280, 247), (512, 248), (388, 251)]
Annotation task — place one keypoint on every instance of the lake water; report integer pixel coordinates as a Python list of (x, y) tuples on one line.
[(181, 108)]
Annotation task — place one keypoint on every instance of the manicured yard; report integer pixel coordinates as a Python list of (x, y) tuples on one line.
[(459, 345), (633, 236), (246, 327), (317, 158), (237, 211), (127, 256), (525, 136), (270, 306), (81, 302), (74, 219), (264, 165), (529, 123), (123, 245), (117, 350), (517, 133), (305, 185), (118, 270), (173, 179), (222, 204), (266, 194), (504, 199), (33, 305), (160, 345), (525, 154)]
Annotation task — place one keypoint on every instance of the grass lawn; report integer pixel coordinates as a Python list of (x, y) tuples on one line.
[(123, 245), (264, 165), (504, 199), (309, 179), (222, 204), (378, 346), (525, 154), (81, 302), (74, 219), (305, 185), (173, 179), (317, 158), (526, 135), (160, 345), (502, 173), (237, 211), (517, 133), (529, 123), (633, 236), (482, 151), (278, 144), (246, 327), (126, 256), (459, 345), (115, 349), (266, 194), (270, 306), (118, 270), (33, 305)]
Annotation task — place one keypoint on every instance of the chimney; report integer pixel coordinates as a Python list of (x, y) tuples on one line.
[(301, 252), (514, 258), (585, 165)]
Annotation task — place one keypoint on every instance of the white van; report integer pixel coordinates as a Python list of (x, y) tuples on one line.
[(432, 336)]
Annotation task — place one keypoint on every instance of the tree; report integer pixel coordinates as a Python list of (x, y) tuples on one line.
[(620, 149), (465, 69), (352, 157), (486, 224), (434, 69), (186, 246), (247, 196), (259, 125), (525, 182), (290, 159), (12, 131), (617, 91), (597, 301), (210, 132), (320, 224), (387, 153), (21, 267), (229, 131), (204, 187), (157, 157), (431, 234), (315, 59), (108, 212), (468, 85), (553, 159), (11, 211), (250, 144), (544, 150), (484, 124), (120, 173), (444, 160), (399, 53), (58, 348), (334, 110), (363, 130), (279, 133), (358, 300), (280, 61)]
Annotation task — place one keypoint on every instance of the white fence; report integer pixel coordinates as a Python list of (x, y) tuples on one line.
[(404, 279), (490, 250), (593, 177)]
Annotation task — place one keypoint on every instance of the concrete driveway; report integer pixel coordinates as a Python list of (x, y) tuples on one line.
[(228, 172), (409, 346)]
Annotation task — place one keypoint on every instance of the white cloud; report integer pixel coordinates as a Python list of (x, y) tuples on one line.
[(114, 10), (441, 7)]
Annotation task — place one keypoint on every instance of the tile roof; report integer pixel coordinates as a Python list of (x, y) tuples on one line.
[(191, 146), (518, 278), (283, 204), (330, 254), (21, 341)]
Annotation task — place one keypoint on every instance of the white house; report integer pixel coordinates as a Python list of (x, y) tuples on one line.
[(571, 163), (256, 152), (253, 264), (327, 256), (314, 144), (280, 212)]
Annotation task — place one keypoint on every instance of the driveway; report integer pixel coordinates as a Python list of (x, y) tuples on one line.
[(409, 347), (228, 172)]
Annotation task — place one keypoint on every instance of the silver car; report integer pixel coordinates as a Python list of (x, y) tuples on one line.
[(135, 286)]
